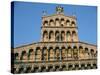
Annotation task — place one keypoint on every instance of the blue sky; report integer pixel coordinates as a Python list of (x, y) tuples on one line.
[(28, 21)]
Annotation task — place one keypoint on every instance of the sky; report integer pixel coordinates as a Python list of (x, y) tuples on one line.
[(28, 21)]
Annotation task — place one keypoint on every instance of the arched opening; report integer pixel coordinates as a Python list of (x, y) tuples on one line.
[(24, 55), (57, 22), (75, 52), (69, 52), (52, 22), (89, 66), (68, 36), (94, 66), (74, 36), (82, 66), (45, 54), (43, 69), (38, 54), (16, 56), (57, 35), (62, 36), (51, 54), (50, 68), (31, 54), (63, 53), (36, 68), (68, 22), (76, 66), (81, 52), (86, 50), (57, 67), (62, 21), (45, 36), (73, 23), (86, 53), (92, 52), (70, 67), (63, 67), (57, 53), (80, 49), (45, 23), (28, 70), (51, 36)]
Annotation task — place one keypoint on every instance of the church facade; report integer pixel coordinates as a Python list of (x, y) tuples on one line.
[(58, 50)]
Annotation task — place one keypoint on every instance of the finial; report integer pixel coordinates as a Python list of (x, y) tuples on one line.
[(59, 10)]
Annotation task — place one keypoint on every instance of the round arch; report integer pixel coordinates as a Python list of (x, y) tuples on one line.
[(45, 35), (51, 53), (62, 35), (68, 36), (51, 22), (57, 22), (62, 21), (23, 55), (31, 54), (45, 23), (68, 22)]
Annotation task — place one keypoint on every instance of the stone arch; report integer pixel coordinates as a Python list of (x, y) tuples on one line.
[(62, 21), (89, 66), (31, 54), (45, 36), (62, 36), (74, 36), (28, 69), (70, 66), (86, 50), (51, 36), (57, 67), (63, 67), (73, 23), (81, 52), (80, 49), (69, 52), (75, 52), (86, 53), (45, 23), (51, 22), (36, 68), (57, 53), (76, 66), (44, 54), (68, 36), (92, 52), (94, 65), (51, 54), (57, 21), (23, 55), (68, 22), (38, 54), (63, 53), (43, 68), (82, 66), (50, 67), (57, 36)]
